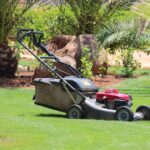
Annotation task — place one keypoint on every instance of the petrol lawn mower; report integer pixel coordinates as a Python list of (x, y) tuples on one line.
[(75, 95)]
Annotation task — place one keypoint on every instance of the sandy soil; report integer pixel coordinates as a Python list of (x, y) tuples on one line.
[(141, 57)]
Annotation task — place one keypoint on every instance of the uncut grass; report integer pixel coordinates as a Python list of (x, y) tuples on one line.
[(25, 126)]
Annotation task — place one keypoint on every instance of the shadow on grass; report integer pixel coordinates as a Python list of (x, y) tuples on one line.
[(51, 115)]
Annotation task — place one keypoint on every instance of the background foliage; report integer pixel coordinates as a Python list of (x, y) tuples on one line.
[(79, 17)]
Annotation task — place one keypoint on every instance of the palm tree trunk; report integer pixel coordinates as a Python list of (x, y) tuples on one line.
[(8, 61)]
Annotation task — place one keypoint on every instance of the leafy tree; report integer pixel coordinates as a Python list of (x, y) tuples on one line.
[(124, 36), (10, 13)]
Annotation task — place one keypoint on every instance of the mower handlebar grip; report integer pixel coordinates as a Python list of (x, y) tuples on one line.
[(23, 33)]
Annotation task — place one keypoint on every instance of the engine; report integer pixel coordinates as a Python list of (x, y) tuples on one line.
[(113, 99)]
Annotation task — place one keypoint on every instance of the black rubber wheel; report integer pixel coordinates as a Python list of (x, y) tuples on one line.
[(75, 112), (145, 110), (124, 113)]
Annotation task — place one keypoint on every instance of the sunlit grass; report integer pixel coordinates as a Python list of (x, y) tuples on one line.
[(25, 126)]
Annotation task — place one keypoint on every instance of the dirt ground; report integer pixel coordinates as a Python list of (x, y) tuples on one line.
[(24, 79), (107, 81)]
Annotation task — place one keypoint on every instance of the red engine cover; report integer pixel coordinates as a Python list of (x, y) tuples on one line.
[(111, 95)]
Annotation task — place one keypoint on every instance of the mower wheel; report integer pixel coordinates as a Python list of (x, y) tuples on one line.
[(124, 113), (75, 112), (145, 110)]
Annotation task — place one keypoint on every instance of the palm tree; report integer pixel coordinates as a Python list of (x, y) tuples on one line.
[(10, 13), (89, 15), (142, 8), (125, 36)]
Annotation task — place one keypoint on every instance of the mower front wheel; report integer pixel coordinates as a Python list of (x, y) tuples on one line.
[(75, 112), (145, 110), (124, 114)]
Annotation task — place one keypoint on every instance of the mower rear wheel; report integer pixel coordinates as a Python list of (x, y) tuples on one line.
[(124, 114), (75, 112), (145, 110)]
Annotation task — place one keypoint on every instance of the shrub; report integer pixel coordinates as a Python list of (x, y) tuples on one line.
[(125, 63), (86, 64), (50, 21)]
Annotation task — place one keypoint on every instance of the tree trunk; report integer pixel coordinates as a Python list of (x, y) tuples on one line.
[(8, 61)]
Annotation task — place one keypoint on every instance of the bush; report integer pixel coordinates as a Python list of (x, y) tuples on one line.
[(48, 20), (86, 64), (32, 20), (126, 64)]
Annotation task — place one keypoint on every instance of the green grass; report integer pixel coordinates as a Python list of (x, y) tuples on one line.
[(139, 88), (28, 63), (25, 126), (138, 72)]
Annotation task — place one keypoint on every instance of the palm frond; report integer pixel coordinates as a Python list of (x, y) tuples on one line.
[(115, 32), (115, 38), (126, 33)]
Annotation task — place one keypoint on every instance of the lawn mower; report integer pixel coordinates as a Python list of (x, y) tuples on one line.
[(75, 95)]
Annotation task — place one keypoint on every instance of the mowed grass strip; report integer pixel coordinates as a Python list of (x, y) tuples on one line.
[(25, 126), (139, 88)]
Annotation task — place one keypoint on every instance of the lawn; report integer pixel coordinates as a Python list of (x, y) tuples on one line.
[(138, 72), (25, 126)]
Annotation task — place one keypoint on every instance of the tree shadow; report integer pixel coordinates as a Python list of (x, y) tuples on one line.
[(51, 115)]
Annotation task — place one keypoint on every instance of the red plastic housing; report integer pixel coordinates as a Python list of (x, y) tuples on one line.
[(112, 95)]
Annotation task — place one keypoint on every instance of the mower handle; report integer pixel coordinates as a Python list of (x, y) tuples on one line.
[(23, 33)]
